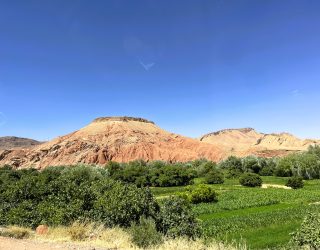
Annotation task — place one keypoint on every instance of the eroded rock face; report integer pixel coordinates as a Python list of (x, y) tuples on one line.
[(246, 141), (124, 139), (120, 139)]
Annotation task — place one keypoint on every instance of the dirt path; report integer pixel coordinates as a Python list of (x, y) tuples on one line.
[(14, 244), (275, 186)]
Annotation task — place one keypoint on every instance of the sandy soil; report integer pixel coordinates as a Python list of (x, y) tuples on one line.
[(274, 186), (14, 244)]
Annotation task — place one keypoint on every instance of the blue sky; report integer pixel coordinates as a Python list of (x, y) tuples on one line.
[(191, 66)]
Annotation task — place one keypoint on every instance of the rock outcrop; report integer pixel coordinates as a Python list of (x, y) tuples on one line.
[(119, 139)]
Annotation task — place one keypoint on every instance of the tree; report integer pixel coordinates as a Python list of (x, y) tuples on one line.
[(214, 177)]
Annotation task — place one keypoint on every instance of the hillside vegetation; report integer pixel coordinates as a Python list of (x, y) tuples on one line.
[(157, 201)]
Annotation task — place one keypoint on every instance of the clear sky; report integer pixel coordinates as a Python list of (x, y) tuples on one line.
[(190, 66)]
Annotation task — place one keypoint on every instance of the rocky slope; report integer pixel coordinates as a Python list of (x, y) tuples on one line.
[(9, 142), (119, 139), (247, 141)]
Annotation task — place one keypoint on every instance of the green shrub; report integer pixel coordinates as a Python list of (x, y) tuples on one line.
[(177, 219), (295, 182), (250, 180), (201, 193), (214, 177), (144, 234), (309, 233)]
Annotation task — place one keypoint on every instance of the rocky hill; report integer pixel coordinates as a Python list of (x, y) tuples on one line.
[(119, 139), (247, 141), (9, 142)]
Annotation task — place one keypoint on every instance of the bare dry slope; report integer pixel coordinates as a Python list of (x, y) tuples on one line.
[(119, 139), (247, 141), (9, 142)]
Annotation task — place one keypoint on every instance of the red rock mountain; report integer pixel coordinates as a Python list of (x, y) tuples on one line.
[(119, 139), (247, 141)]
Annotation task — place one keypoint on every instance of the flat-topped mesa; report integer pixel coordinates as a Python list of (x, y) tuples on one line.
[(121, 119)]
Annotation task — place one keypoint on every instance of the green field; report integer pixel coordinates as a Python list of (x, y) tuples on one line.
[(262, 218)]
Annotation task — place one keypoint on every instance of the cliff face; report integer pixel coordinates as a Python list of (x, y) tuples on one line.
[(119, 139), (247, 141)]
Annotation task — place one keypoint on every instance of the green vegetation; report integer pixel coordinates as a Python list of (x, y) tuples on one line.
[(214, 177), (156, 174), (250, 180), (61, 195), (144, 234), (178, 219), (295, 182), (262, 217), (195, 199), (309, 233), (201, 193)]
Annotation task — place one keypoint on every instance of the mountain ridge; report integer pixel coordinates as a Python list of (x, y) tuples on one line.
[(118, 139), (124, 139), (9, 142)]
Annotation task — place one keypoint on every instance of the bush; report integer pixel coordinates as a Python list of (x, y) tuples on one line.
[(144, 234), (177, 219), (201, 193), (309, 233), (295, 182), (250, 180), (214, 177), (78, 231)]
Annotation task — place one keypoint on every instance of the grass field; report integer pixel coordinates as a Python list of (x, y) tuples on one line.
[(262, 218)]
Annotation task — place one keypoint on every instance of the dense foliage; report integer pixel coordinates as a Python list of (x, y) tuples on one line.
[(157, 174), (201, 193), (214, 177), (177, 218), (58, 196), (308, 235), (62, 195), (304, 164), (250, 180), (295, 182)]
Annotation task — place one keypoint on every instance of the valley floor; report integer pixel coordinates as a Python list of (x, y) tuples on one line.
[(259, 218)]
